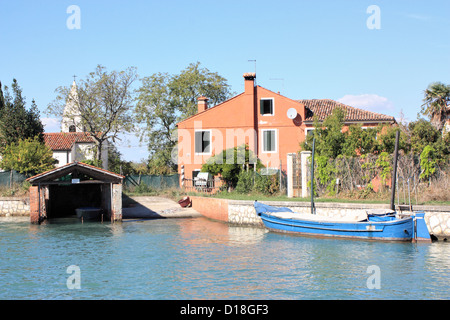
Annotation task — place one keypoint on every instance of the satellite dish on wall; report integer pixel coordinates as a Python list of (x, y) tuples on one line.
[(292, 113)]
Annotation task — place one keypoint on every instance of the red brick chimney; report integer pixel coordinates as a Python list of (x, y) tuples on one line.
[(249, 82), (202, 104)]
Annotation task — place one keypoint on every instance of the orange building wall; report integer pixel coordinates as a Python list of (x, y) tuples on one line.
[(238, 121), (290, 133), (242, 113)]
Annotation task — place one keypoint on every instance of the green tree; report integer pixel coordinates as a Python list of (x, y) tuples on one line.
[(383, 164), (2, 98), (386, 139), (194, 82), (164, 100), (28, 156), (229, 163), (105, 103), (329, 136), (422, 133), (361, 141), (436, 101), (16, 121), (157, 108), (427, 163), (116, 164), (326, 173)]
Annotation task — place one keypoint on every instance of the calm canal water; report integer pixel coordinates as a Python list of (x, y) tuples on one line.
[(203, 259)]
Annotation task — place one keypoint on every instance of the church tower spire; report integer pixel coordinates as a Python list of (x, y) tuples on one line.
[(71, 121)]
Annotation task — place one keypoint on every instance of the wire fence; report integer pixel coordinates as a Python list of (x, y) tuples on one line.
[(11, 178), (158, 182), (209, 186), (373, 173)]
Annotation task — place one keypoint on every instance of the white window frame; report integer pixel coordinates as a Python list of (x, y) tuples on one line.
[(273, 107), (263, 144), (210, 142), (307, 130)]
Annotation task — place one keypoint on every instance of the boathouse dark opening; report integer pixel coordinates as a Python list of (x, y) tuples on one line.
[(65, 199), (60, 192)]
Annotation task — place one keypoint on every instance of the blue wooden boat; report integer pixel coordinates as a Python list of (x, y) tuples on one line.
[(387, 226)]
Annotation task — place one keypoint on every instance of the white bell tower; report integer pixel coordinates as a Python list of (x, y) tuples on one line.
[(71, 121)]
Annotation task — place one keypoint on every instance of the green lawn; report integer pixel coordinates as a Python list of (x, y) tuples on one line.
[(260, 197)]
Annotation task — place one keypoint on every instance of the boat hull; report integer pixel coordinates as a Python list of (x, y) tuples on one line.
[(185, 202), (393, 230)]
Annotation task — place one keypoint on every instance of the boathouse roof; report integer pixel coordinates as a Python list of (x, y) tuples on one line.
[(77, 170)]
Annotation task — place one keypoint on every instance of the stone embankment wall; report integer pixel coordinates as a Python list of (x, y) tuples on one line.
[(242, 212), (438, 224), (14, 207)]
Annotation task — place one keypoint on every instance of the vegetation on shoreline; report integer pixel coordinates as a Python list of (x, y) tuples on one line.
[(358, 155), (177, 194)]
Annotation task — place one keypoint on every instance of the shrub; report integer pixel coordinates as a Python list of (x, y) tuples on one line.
[(245, 181), (427, 162), (29, 156), (251, 181), (229, 167), (267, 184)]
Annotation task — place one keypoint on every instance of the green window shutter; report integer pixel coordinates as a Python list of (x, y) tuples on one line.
[(271, 143), (266, 106), (198, 141), (202, 142), (206, 146), (269, 140)]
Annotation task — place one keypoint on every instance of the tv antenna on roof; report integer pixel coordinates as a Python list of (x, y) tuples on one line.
[(254, 62)]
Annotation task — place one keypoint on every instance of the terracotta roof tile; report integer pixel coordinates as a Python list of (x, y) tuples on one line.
[(324, 107), (249, 75), (63, 141)]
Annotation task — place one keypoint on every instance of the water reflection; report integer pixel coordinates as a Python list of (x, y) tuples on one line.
[(201, 231), (242, 236), (202, 259)]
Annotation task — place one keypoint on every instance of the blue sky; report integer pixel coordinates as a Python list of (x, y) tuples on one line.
[(320, 49)]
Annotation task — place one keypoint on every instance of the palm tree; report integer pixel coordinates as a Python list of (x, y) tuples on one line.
[(436, 103)]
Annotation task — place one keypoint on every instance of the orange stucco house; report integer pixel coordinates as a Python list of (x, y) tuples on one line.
[(271, 124)]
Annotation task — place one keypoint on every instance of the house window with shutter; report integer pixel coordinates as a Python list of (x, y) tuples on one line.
[(269, 137), (203, 142), (266, 106)]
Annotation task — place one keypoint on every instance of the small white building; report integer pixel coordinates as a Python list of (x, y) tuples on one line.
[(68, 147), (73, 143)]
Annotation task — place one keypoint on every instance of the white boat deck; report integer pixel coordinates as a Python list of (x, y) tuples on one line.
[(314, 217)]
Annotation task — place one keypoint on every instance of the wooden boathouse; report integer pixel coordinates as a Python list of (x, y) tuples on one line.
[(59, 192)]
